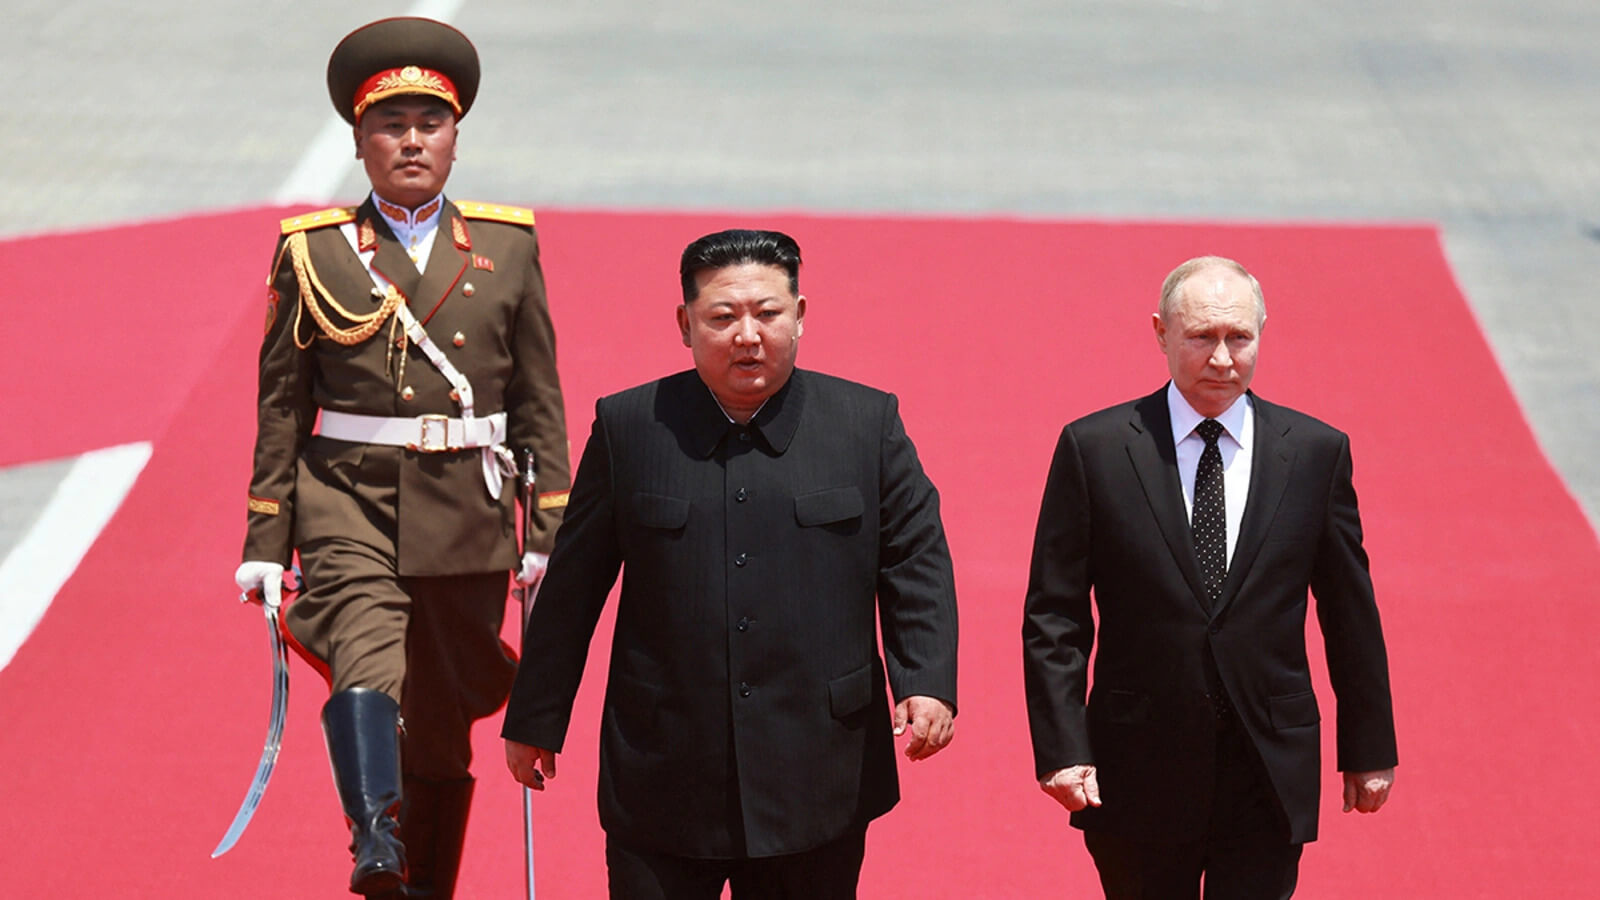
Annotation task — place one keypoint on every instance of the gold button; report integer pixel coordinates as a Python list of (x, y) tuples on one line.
[(467, 290), (377, 293), (460, 340), (407, 393)]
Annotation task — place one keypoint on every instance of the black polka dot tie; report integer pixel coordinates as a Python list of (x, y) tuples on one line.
[(1210, 512)]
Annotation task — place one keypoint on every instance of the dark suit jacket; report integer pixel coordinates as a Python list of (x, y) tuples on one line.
[(745, 710), (1113, 520), (430, 512)]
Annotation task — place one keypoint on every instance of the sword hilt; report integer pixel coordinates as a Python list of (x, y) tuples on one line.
[(293, 583), (528, 477), (530, 472)]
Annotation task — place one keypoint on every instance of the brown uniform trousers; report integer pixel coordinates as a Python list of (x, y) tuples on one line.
[(405, 553)]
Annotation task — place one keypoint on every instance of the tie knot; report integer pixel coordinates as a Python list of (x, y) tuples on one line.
[(1209, 431)]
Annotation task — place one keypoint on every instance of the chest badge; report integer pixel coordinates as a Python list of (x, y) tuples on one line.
[(272, 309)]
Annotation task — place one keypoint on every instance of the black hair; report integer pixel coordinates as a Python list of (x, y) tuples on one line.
[(736, 247)]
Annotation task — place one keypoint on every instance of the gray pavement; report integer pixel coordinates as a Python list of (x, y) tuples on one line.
[(1481, 116)]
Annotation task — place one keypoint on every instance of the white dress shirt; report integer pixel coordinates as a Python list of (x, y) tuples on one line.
[(1236, 443), (415, 229)]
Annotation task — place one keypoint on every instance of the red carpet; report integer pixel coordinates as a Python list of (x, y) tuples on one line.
[(133, 717)]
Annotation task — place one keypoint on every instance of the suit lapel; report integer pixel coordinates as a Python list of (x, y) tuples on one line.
[(391, 260), (1155, 462), (1271, 461), (340, 269), (446, 262)]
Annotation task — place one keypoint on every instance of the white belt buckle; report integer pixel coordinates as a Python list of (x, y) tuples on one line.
[(433, 434)]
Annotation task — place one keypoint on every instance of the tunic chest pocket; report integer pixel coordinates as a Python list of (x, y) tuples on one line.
[(828, 507), (658, 511)]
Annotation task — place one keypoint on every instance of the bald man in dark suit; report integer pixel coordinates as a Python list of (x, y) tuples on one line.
[(1198, 518)]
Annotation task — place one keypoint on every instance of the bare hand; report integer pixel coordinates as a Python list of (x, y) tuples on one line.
[(1074, 787), (932, 725), (530, 765), (1366, 792)]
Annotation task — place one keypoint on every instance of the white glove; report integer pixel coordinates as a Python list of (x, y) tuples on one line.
[(533, 566), (266, 577)]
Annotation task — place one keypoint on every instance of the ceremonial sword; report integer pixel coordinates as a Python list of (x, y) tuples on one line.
[(527, 479), (275, 721)]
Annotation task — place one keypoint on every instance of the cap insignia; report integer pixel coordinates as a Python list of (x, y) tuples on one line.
[(405, 80)]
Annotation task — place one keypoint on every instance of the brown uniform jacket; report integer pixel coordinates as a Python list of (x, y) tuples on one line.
[(482, 301)]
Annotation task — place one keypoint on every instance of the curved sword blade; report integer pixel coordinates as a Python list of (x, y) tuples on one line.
[(269, 752)]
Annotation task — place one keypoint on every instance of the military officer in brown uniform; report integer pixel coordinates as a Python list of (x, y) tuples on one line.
[(417, 329)]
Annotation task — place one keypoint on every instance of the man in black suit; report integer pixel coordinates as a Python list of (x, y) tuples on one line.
[(767, 520), (1199, 517)]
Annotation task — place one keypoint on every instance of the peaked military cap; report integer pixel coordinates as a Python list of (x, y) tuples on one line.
[(398, 56)]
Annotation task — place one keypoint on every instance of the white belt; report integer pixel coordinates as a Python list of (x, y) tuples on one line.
[(431, 433), (426, 434)]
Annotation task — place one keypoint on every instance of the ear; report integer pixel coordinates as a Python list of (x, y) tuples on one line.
[(683, 323), (355, 132), (1161, 331), (800, 316)]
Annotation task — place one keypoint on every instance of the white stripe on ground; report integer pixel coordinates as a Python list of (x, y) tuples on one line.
[(330, 157), (49, 553)]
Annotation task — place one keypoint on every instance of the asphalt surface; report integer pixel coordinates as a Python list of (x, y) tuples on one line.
[(1483, 117)]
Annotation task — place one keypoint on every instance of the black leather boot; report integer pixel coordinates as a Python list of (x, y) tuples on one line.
[(433, 824), (362, 730)]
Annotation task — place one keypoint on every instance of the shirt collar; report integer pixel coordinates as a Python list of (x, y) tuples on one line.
[(405, 221), (1184, 418)]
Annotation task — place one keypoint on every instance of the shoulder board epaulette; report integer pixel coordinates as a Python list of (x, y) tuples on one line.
[(320, 219), (495, 212)]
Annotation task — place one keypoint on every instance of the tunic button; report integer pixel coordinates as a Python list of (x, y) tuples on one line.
[(460, 340), (744, 624), (742, 495), (744, 689), (407, 393), (467, 290), (741, 560), (455, 395), (744, 436)]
